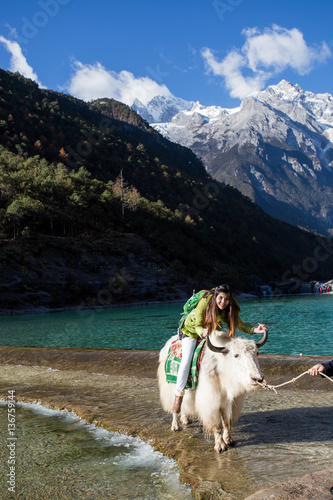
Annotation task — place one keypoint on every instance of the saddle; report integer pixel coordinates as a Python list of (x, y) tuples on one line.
[(173, 360)]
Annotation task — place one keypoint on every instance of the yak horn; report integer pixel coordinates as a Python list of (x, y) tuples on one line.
[(264, 339), (215, 348)]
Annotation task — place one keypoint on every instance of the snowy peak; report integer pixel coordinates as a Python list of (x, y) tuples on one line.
[(209, 114), (161, 108), (283, 90), (272, 109), (166, 109), (284, 95)]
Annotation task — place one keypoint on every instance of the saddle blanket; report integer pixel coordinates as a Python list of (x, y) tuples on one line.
[(173, 360)]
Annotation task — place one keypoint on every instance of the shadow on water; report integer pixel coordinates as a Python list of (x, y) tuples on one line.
[(285, 426)]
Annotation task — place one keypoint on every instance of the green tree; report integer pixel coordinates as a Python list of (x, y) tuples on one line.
[(25, 211)]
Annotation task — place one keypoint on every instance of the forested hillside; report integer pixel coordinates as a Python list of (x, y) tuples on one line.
[(74, 170)]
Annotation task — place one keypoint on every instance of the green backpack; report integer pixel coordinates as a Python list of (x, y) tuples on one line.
[(190, 305)]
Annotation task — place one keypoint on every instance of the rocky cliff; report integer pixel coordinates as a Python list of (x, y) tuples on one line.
[(49, 273)]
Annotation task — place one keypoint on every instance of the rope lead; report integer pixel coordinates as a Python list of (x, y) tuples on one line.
[(268, 387)]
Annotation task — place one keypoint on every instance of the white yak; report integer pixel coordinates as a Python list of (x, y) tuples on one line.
[(229, 370)]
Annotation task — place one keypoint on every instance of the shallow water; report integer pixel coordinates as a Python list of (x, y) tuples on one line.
[(279, 437), (59, 456), (283, 436), (297, 324)]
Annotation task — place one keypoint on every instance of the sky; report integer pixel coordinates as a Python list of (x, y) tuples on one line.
[(213, 51)]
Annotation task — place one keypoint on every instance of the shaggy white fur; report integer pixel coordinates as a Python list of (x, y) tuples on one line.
[(224, 379)]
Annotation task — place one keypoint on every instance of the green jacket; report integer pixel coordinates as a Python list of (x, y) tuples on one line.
[(192, 326)]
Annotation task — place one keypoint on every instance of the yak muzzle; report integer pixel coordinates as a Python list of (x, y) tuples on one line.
[(256, 379)]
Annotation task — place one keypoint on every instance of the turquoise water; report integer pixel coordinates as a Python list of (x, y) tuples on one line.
[(59, 456), (297, 324)]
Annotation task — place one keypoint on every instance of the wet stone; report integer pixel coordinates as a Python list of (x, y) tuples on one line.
[(280, 438)]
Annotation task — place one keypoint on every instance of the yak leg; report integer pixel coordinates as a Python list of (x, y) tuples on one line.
[(175, 422), (184, 419), (231, 417), (176, 409), (219, 442), (226, 423)]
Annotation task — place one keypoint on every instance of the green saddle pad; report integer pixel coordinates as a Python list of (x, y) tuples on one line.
[(172, 364)]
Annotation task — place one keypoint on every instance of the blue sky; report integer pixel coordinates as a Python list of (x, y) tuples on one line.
[(212, 51)]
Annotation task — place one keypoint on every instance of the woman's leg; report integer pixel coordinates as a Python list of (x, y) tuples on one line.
[(188, 348)]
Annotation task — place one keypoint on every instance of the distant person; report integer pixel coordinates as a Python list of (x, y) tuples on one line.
[(319, 368), (217, 306)]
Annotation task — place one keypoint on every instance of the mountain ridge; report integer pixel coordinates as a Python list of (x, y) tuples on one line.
[(274, 148)]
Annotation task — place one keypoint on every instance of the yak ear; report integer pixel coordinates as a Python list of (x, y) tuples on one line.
[(214, 348)]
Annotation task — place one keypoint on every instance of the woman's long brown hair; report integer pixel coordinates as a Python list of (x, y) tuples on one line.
[(210, 320)]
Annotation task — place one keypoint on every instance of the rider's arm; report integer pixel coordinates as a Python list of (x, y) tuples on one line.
[(200, 313), (243, 326)]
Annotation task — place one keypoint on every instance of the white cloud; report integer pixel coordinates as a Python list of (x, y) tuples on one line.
[(17, 61), (264, 54), (94, 81)]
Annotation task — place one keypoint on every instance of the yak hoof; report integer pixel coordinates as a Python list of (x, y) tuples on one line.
[(230, 442), (175, 423), (220, 447), (184, 419)]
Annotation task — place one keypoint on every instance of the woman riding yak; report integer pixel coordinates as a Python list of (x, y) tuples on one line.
[(217, 306)]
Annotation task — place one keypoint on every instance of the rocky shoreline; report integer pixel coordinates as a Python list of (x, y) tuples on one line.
[(117, 389), (53, 273)]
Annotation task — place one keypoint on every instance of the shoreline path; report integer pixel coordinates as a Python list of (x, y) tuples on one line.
[(282, 440)]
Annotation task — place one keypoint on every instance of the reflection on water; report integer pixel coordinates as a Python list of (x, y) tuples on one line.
[(301, 324), (59, 456)]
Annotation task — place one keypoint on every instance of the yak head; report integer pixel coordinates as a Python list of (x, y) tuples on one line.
[(236, 361)]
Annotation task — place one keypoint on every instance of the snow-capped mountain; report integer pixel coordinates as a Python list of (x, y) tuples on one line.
[(161, 108), (276, 148)]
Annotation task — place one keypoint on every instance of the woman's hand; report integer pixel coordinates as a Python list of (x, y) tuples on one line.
[(205, 332), (261, 328)]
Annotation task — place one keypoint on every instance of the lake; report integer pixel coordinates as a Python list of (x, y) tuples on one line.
[(297, 324)]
